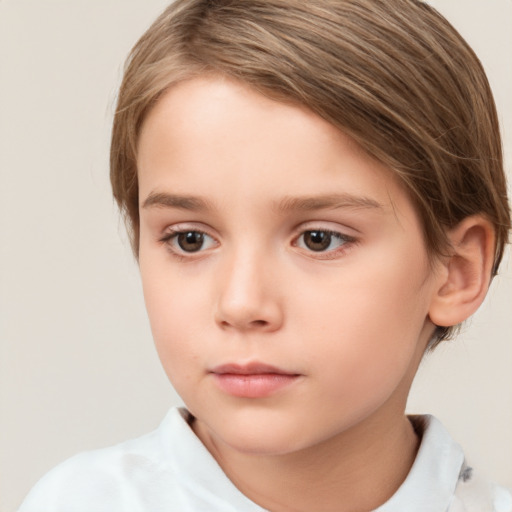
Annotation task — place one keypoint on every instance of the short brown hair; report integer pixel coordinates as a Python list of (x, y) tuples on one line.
[(393, 74)]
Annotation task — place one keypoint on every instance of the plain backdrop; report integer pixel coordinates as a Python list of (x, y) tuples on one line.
[(77, 365)]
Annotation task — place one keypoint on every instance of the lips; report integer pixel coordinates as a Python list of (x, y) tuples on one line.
[(254, 380)]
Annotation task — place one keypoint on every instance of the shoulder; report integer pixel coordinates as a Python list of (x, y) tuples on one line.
[(86, 475), (475, 493), (104, 480)]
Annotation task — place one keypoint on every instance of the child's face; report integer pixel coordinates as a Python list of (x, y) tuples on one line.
[(271, 243)]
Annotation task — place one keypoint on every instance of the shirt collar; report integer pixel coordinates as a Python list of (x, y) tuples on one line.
[(429, 486), (197, 469), (431, 482)]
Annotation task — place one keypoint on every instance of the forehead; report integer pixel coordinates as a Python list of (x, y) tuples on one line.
[(219, 138), (206, 109)]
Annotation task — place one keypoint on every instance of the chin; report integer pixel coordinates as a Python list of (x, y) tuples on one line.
[(256, 432), (269, 443)]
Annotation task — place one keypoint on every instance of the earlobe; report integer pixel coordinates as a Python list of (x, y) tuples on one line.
[(466, 272)]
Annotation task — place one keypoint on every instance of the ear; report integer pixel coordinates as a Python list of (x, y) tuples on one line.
[(465, 274)]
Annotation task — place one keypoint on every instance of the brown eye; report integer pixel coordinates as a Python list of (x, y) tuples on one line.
[(323, 241), (190, 241), (317, 240)]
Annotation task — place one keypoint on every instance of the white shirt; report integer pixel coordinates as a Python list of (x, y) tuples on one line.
[(171, 470)]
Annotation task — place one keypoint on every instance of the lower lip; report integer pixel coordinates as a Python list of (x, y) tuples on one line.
[(255, 385)]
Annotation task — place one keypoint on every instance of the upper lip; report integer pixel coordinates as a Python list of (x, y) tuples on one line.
[(249, 369)]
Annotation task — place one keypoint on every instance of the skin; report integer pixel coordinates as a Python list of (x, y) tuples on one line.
[(351, 322)]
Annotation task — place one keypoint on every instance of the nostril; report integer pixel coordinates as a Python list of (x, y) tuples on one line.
[(254, 324), (244, 315), (259, 323)]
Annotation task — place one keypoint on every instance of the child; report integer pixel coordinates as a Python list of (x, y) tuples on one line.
[(315, 195)]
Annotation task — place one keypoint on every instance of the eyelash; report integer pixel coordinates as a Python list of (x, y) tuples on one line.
[(173, 234), (346, 242)]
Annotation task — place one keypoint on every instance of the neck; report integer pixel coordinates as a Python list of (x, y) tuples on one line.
[(355, 471)]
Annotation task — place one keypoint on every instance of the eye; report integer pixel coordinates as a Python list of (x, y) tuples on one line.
[(321, 240), (188, 241)]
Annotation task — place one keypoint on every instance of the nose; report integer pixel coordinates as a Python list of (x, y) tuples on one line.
[(248, 295)]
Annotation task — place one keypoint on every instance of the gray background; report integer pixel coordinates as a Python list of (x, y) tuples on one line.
[(77, 365)]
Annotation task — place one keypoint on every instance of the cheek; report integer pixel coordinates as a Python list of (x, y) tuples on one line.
[(371, 301), (368, 326), (174, 312)]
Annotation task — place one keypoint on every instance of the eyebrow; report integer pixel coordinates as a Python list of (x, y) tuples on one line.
[(286, 204), (326, 202), (164, 200)]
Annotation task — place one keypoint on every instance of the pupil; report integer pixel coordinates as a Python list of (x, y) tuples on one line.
[(317, 240), (191, 241)]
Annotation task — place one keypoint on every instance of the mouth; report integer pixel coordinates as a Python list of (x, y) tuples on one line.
[(254, 380)]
